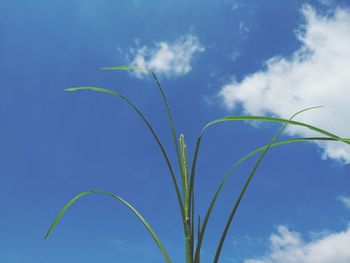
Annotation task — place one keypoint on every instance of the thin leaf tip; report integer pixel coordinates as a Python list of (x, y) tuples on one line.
[(70, 89)]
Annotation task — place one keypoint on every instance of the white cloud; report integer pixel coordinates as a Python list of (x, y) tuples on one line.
[(316, 74), (168, 59), (345, 200), (289, 247)]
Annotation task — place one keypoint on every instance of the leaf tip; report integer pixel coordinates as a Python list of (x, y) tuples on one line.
[(47, 235), (70, 89)]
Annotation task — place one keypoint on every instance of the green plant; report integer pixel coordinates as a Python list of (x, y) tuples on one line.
[(194, 230)]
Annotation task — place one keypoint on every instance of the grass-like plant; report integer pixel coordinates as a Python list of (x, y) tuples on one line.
[(193, 227)]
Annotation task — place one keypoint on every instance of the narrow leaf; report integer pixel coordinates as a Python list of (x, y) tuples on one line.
[(149, 126), (252, 173), (139, 216), (171, 122), (250, 118), (273, 119), (230, 172)]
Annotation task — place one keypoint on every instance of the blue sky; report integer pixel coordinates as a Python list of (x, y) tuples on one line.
[(214, 58)]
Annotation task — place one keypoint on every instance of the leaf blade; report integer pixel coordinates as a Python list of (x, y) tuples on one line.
[(272, 119), (139, 216), (250, 118), (252, 173), (149, 126)]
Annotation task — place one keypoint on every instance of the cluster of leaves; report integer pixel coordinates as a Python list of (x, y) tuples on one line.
[(194, 229)]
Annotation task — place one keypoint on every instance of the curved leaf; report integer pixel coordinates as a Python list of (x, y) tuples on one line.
[(273, 119), (250, 177), (121, 96), (229, 173), (165, 101), (171, 122), (139, 216), (249, 118)]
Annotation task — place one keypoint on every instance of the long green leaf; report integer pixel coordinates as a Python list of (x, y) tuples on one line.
[(187, 215), (230, 172), (139, 216), (161, 90), (165, 101), (272, 119), (249, 118), (171, 122), (253, 118), (192, 190), (252, 173), (173, 132), (132, 105)]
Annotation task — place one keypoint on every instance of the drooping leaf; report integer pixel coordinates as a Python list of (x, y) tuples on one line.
[(138, 215), (331, 137), (250, 177), (149, 126)]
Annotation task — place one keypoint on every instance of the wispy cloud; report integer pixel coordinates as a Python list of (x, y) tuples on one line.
[(234, 55), (345, 200), (326, 2), (233, 4), (243, 29), (316, 74), (168, 59), (289, 247)]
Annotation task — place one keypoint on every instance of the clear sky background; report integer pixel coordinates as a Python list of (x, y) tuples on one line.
[(214, 58)]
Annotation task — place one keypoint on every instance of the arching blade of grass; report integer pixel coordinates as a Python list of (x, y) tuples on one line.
[(132, 105), (250, 118), (172, 126), (166, 104), (229, 173), (254, 118), (139, 216), (187, 204), (273, 119), (62, 212), (252, 173)]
